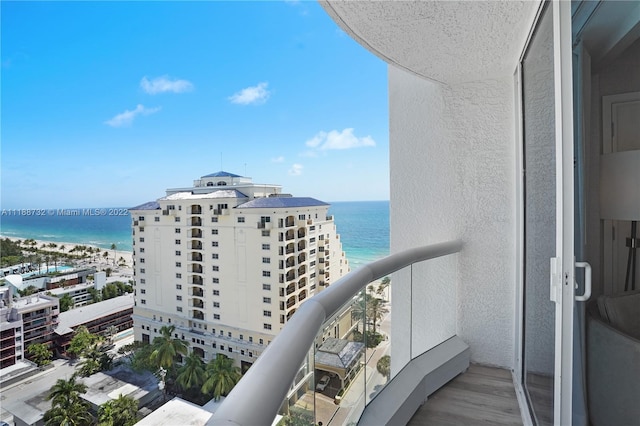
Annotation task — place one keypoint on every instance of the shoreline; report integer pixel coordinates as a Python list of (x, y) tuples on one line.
[(96, 260)]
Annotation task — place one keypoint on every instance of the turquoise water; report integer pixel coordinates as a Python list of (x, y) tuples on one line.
[(363, 227)]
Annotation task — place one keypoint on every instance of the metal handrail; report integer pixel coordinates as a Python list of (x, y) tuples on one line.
[(258, 396)]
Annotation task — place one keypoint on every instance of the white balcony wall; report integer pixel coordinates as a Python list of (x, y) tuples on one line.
[(453, 171)]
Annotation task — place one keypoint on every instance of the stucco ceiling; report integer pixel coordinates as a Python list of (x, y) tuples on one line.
[(445, 41)]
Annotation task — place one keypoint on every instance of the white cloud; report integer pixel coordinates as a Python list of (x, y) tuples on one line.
[(339, 140), (296, 169), (278, 159), (253, 95), (126, 118), (165, 84)]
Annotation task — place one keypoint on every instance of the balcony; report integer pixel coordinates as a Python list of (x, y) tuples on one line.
[(289, 221), (198, 315), (289, 235), (197, 303), (196, 279), (302, 232), (418, 369), (197, 292), (195, 257), (291, 288), (302, 245), (195, 221), (195, 245), (195, 267), (195, 209), (196, 233), (302, 257)]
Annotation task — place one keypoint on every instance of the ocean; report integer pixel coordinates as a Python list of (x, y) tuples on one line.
[(363, 227)]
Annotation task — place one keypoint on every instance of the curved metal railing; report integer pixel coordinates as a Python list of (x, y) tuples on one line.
[(257, 398)]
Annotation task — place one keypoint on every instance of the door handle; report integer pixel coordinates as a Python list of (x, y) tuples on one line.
[(587, 281)]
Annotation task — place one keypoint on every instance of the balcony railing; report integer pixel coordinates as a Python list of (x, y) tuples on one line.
[(269, 381)]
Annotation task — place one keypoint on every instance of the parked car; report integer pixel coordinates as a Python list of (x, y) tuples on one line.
[(323, 383)]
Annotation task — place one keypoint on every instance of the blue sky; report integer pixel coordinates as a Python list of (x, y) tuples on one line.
[(110, 103)]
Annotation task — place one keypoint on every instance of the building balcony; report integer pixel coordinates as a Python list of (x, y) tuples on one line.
[(196, 257), (198, 315), (302, 232), (196, 279), (302, 257), (289, 221), (291, 288), (197, 303), (195, 209), (195, 221), (289, 235), (195, 267), (291, 275), (195, 245), (197, 291), (417, 370), (196, 233)]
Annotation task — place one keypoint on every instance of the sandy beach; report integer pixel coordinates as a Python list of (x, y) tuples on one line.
[(122, 266)]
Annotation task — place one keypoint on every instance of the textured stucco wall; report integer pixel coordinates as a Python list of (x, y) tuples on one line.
[(452, 156)]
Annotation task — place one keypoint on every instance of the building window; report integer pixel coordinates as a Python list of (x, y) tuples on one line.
[(261, 342), (267, 326), (214, 244), (214, 255), (214, 219), (177, 219), (156, 219), (178, 241), (216, 280), (312, 251), (312, 228), (178, 286), (143, 281), (266, 246), (216, 316), (216, 292), (141, 249), (250, 339), (143, 291), (266, 313), (266, 300), (266, 233), (178, 308), (178, 297), (266, 260), (178, 264), (240, 219), (142, 270), (216, 304), (215, 268), (178, 253), (241, 337), (143, 302), (229, 334), (142, 260), (214, 232), (266, 273), (230, 349), (178, 275), (177, 230), (266, 286), (142, 239)]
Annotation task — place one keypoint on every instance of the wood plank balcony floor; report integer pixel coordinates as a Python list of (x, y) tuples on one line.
[(480, 396)]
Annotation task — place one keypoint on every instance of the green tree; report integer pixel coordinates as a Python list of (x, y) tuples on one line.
[(106, 256), (67, 407), (166, 349), (113, 247), (118, 412), (66, 302), (140, 356), (192, 373), (221, 376), (384, 366), (95, 294), (40, 354), (82, 341)]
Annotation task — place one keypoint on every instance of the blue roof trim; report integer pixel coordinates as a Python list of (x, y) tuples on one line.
[(151, 205), (281, 202), (222, 174)]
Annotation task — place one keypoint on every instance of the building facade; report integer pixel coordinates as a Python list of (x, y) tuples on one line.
[(228, 262)]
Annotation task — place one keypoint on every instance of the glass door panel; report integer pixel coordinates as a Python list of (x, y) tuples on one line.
[(539, 218)]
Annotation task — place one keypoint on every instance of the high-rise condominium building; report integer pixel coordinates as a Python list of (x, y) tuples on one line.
[(228, 262)]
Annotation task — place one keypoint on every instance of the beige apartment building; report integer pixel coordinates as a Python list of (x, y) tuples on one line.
[(228, 262)]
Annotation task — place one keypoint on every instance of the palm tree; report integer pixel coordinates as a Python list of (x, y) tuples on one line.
[(40, 353), (113, 247), (76, 413), (192, 373), (166, 348), (121, 411), (106, 256), (222, 376), (66, 392)]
